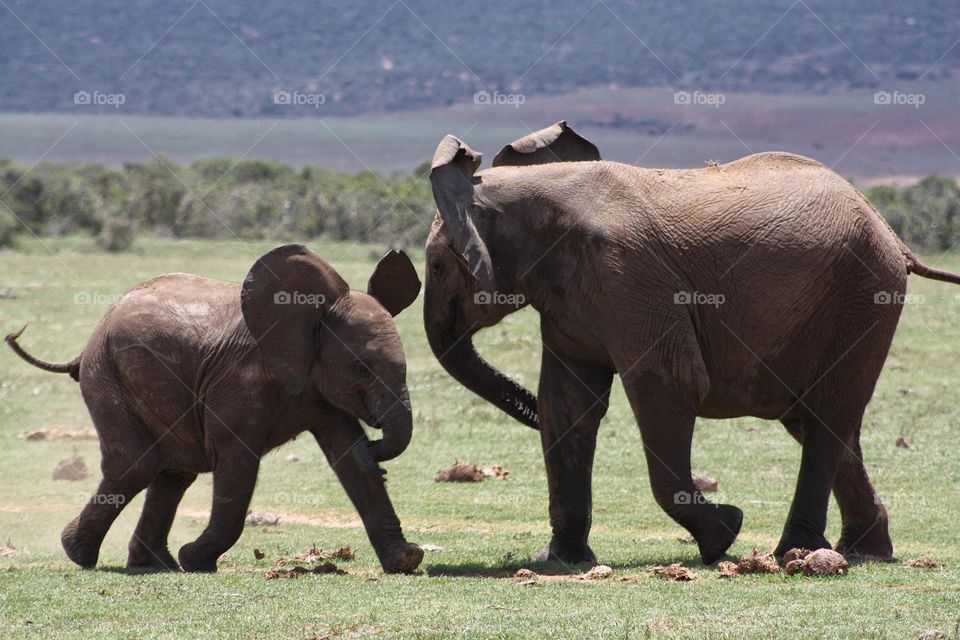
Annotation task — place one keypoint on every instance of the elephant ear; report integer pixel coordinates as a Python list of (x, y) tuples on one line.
[(283, 299), (451, 177), (394, 282), (557, 143)]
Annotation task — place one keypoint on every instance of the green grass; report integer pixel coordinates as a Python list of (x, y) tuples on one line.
[(486, 530)]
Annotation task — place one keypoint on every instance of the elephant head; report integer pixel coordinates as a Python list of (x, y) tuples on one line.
[(469, 282), (310, 328)]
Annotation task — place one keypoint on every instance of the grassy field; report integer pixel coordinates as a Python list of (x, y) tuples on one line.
[(484, 531)]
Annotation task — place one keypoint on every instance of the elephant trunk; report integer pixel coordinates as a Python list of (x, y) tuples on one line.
[(397, 430), (460, 359)]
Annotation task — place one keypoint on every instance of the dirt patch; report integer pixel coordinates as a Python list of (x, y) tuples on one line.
[(903, 443), (704, 483), (70, 469), (7, 549), (824, 562), (923, 562), (496, 471), (296, 572), (315, 555), (675, 572), (60, 433), (757, 562), (459, 472), (262, 519)]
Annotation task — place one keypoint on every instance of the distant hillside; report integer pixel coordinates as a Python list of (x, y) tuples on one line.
[(220, 58)]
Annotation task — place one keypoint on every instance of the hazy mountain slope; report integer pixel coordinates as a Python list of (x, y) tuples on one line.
[(215, 58)]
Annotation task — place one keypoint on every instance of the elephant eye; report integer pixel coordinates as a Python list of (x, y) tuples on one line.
[(362, 371), (435, 265)]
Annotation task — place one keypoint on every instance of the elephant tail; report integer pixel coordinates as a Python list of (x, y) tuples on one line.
[(72, 367), (922, 270)]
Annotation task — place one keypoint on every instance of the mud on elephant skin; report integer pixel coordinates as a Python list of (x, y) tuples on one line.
[(725, 291), (185, 375)]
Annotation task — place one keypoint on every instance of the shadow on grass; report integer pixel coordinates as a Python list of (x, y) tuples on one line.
[(508, 568), (133, 571)]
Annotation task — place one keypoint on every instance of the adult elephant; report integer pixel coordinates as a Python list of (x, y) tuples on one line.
[(765, 287)]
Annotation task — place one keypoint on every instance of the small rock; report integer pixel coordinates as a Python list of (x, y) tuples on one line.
[(70, 469), (704, 483), (525, 577), (903, 443), (757, 562), (923, 562), (675, 572), (825, 562), (727, 569), (259, 555), (599, 572), (908, 392), (262, 518), (431, 547), (293, 458), (496, 471)]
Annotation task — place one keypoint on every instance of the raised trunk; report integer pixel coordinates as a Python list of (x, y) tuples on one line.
[(459, 357)]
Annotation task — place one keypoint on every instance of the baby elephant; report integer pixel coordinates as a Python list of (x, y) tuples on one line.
[(186, 374)]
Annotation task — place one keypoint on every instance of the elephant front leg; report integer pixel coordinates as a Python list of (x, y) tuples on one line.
[(368, 493), (234, 478), (572, 399), (666, 417)]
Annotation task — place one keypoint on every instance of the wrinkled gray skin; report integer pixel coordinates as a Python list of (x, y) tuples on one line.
[(185, 375), (765, 287)]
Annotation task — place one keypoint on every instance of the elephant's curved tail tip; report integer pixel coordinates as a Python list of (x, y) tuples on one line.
[(72, 367), (922, 270)]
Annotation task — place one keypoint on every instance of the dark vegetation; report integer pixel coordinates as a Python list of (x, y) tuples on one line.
[(221, 58), (263, 199)]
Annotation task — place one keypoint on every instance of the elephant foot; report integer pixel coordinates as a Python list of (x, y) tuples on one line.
[(714, 539), (80, 552), (794, 538), (402, 558), (195, 558), (871, 542), (141, 556), (567, 554)]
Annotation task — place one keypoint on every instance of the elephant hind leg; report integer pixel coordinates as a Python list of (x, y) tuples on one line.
[(666, 417), (148, 546), (127, 468), (865, 521)]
